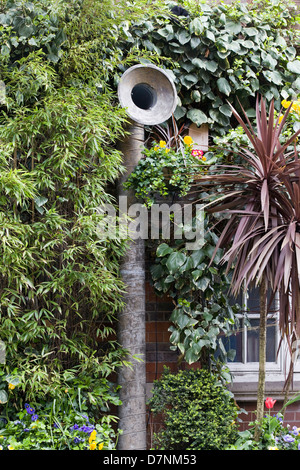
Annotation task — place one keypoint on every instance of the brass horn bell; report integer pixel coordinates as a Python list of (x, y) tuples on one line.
[(148, 94)]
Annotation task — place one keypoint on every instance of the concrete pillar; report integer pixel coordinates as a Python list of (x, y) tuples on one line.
[(131, 325)]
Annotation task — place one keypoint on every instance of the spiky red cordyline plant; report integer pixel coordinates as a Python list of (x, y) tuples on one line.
[(261, 236)]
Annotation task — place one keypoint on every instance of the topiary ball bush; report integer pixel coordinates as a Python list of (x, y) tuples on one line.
[(198, 412)]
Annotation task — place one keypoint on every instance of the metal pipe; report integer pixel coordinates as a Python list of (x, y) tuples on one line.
[(131, 324)]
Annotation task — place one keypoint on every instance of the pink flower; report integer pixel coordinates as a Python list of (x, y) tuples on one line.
[(270, 402), (197, 153)]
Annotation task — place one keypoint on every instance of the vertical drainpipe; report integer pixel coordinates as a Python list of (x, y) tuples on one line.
[(149, 96), (131, 324)]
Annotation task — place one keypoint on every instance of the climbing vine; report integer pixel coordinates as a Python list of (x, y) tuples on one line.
[(224, 52)]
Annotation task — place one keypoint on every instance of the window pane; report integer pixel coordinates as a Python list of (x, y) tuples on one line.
[(253, 341), (253, 301), (234, 342), (246, 341)]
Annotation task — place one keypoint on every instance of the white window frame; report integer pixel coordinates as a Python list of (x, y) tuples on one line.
[(247, 372)]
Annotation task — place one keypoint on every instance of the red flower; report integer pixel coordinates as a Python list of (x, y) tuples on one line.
[(270, 402)]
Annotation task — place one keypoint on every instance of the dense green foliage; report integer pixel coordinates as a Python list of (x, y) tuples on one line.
[(225, 52), (198, 412), (60, 288), (203, 314)]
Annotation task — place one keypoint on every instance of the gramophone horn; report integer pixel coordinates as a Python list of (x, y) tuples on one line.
[(148, 94)]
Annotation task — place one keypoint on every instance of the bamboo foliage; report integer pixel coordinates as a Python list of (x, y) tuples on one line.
[(60, 287)]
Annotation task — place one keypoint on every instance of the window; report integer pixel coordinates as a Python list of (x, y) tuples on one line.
[(246, 341), (245, 365)]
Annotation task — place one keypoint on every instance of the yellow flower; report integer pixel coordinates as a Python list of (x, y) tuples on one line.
[(11, 386), (204, 159), (273, 448), (66, 391), (156, 148), (188, 140), (280, 119), (285, 103), (296, 107), (92, 436), (10, 447), (168, 150), (162, 143), (93, 445), (100, 447), (1, 448)]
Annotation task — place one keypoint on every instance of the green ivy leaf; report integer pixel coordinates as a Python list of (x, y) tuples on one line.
[(269, 61), (196, 96), (290, 52), (183, 37), (224, 86), (195, 41), (180, 111), (201, 64), (294, 66), (175, 260), (197, 257), (203, 283), (163, 250), (3, 396), (273, 76), (189, 80), (197, 116), (175, 337), (250, 31), (156, 271), (225, 109), (166, 32), (232, 27), (210, 35), (191, 355), (211, 65), (196, 26), (32, 42)]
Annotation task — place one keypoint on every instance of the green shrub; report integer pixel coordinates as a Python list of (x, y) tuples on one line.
[(199, 413)]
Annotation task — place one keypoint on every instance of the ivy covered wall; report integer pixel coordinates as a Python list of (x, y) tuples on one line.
[(224, 52)]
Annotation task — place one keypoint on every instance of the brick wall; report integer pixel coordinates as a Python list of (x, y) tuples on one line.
[(158, 355), (291, 416)]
